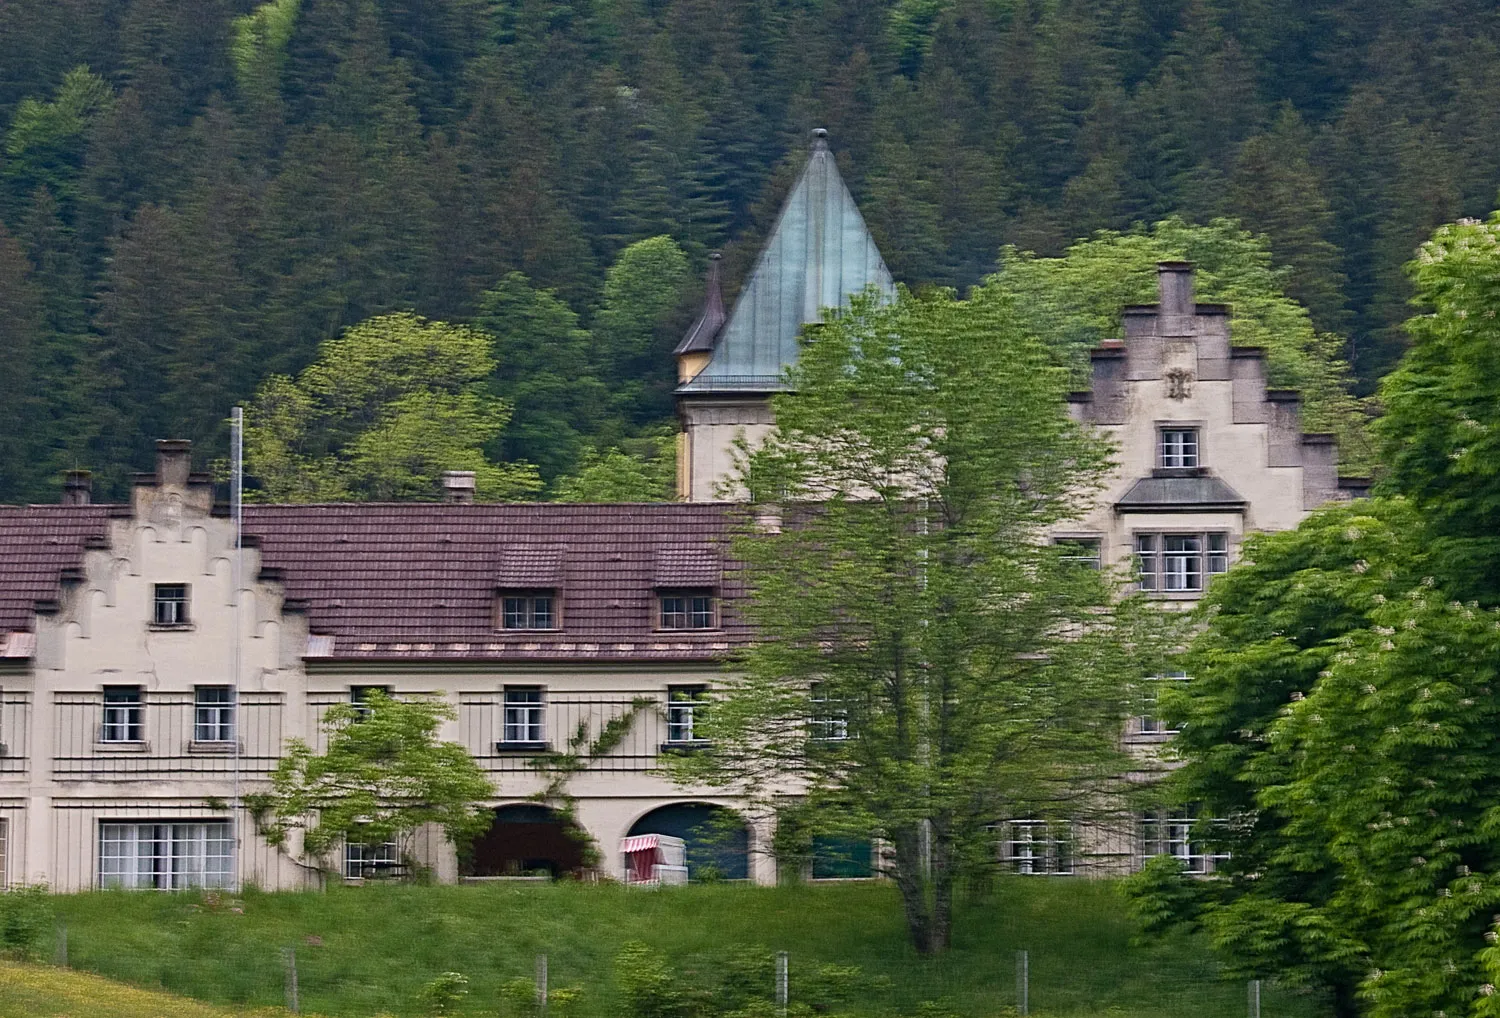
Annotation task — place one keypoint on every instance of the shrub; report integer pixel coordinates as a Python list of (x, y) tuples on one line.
[(647, 983), (444, 993), (26, 921)]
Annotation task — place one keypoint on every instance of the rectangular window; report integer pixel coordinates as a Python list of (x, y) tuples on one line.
[(171, 604), (367, 860), (123, 714), (1038, 847), (167, 857), (213, 714), (828, 719), (1180, 563), (1080, 551), (525, 715), (1179, 447), (1171, 834), (359, 697), (685, 708), (1149, 723), (688, 609), (528, 609)]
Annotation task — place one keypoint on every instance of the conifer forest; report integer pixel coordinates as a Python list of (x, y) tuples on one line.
[(196, 196)]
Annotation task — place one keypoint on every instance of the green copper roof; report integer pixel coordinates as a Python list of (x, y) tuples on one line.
[(820, 252)]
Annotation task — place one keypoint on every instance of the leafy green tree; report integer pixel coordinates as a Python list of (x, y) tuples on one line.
[(45, 143), (910, 602), (1440, 436), (1074, 302), (383, 776), (619, 475), (387, 407), (634, 329)]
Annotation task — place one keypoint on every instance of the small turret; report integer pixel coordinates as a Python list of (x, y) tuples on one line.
[(697, 346)]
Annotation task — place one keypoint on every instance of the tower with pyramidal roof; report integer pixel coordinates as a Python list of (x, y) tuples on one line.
[(819, 253)]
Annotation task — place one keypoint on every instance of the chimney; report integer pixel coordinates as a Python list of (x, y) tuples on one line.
[(78, 487), (458, 487), (1177, 307), (174, 457)]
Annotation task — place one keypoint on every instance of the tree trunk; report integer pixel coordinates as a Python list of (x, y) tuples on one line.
[(926, 888), (1345, 1003)]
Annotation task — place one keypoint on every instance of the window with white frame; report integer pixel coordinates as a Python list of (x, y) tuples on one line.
[(525, 716), (364, 860), (1171, 833), (1178, 447), (166, 856), (1080, 551), (687, 609), (170, 604), (1180, 563), (213, 714), (685, 709), (1148, 722), (359, 697), (1038, 847), (528, 609), (828, 718), (124, 713)]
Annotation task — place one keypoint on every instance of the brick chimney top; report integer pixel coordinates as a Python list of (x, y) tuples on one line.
[(78, 487), (458, 486), (174, 457)]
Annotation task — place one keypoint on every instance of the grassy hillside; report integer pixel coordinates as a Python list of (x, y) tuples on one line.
[(366, 950), (31, 991)]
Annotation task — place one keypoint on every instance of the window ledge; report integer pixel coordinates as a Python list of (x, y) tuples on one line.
[(528, 629), (170, 627), (217, 747), (1175, 595), (688, 629), (678, 748), (523, 747), (1149, 738), (122, 747)]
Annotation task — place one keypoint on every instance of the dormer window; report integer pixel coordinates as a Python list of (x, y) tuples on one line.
[(170, 604), (687, 609), (528, 609), (1178, 447)]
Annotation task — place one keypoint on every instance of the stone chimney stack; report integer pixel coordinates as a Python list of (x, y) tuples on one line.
[(1177, 306), (458, 487), (174, 458), (78, 487)]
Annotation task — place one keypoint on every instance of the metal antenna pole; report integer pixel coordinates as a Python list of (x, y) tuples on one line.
[(237, 569)]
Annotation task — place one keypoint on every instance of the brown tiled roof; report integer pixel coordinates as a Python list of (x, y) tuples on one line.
[(36, 544), (418, 580)]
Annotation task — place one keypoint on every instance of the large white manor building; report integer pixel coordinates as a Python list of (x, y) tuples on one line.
[(123, 634)]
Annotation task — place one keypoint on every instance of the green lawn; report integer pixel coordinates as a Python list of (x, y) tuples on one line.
[(365, 950), (37, 991)]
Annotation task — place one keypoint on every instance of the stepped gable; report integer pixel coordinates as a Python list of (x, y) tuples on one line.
[(420, 580), (819, 252), (38, 544)]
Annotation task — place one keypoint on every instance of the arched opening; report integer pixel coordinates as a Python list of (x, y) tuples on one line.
[(718, 842), (526, 840)]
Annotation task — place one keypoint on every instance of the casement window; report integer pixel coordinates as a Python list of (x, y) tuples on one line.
[(364, 860), (166, 856), (359, 697), (686, 706), (1083, 552), (124, 713), (1180, 563), (213, 714), (828, 718), (1177, 447), (687, 609), (528, 609), (1149, 723), (170, 604), (836, 858), (1038, 847), (1171, 833), (525, 717)]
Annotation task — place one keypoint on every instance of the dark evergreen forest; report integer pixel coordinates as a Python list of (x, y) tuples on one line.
[(194, 195)]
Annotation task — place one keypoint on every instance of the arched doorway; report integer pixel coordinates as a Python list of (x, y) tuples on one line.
[(526, 840), (718, 842)]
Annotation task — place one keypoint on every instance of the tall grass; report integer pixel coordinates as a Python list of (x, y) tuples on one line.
[(365, 950)]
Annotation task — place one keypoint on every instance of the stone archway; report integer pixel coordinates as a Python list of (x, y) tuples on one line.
[(717, 838), (526, 839)]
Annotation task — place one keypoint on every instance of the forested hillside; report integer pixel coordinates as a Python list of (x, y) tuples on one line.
[(194, 195)]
